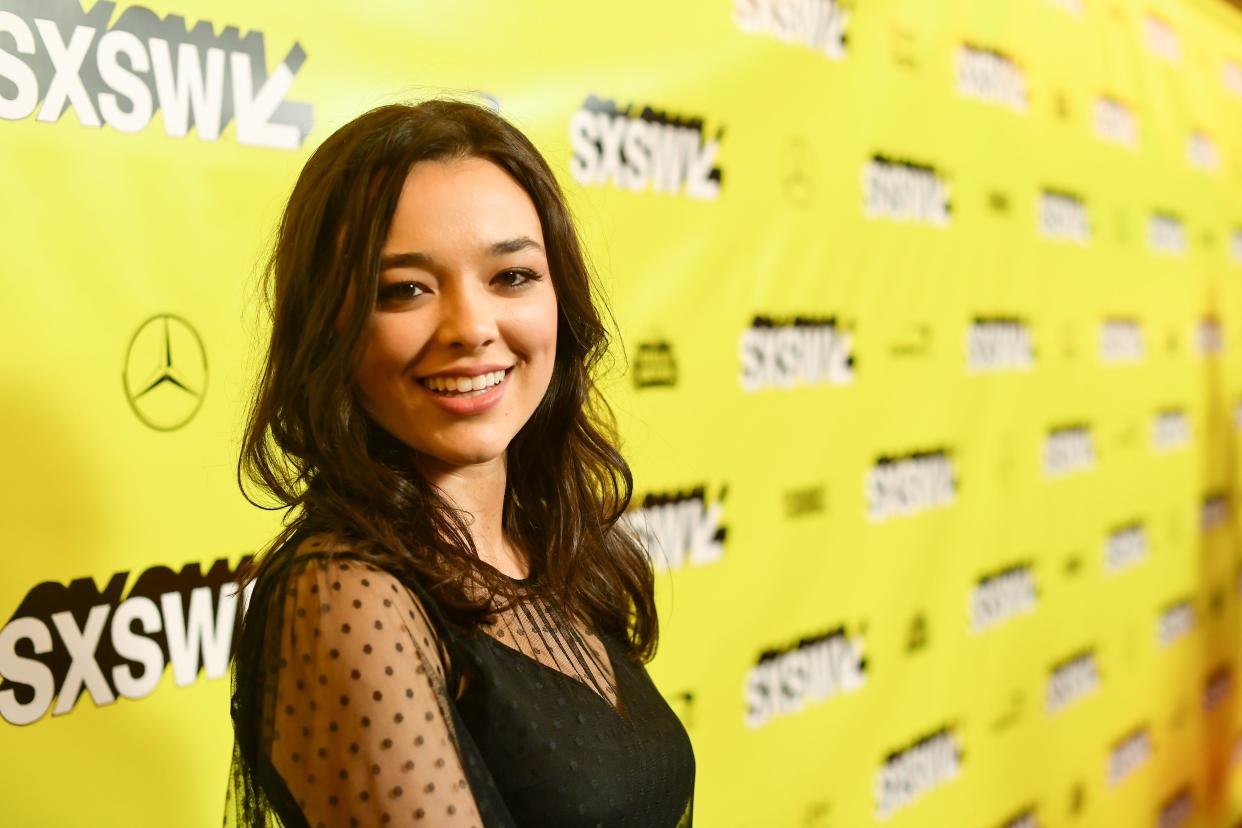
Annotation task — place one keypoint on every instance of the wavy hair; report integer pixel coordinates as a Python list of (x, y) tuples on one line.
[(309, 444)]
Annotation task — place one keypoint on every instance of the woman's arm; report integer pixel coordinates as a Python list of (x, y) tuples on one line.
[(362, 735)]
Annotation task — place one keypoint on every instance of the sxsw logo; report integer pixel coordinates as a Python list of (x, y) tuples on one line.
[(640, 148), (819, 25), (792, 352), (1063, 217), (1115, 122), (786, 680), (907, 484), (55, 58), (995, 344), (66, 640), (680, 527), (911, 772), (905, 191), (990, 76)]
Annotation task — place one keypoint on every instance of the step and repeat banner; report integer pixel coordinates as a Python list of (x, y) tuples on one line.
[(932, 381)]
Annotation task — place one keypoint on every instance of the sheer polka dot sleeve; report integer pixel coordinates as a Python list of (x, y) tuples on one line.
[(360, 732)]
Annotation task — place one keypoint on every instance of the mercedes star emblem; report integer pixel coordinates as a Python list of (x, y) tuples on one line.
[(165, 374)]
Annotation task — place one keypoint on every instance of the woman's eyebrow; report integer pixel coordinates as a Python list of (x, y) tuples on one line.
[(514, 245), (420, 260), (426, 262)]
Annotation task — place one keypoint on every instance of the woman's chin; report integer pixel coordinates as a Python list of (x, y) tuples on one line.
[(459, 456)]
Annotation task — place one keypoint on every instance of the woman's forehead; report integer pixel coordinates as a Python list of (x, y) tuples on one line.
[(468, 202)]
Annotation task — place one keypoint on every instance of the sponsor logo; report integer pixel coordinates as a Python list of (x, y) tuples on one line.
[(909, 774), (1161, 39), (914, 340), (1072, 565), (1177, 810), (655, 365), (907, 485), (1175, 622), (1128, 755), (904, 45), (904, 191), (1023, 819), (165, 376), (63, 58), (999, 597), (806, 501), (1214, 512), (1125, 547), (1121, 340), (990, 76), (995, 344), (1068, 450), (786, 353), (1071, 680), (643, 149), (785, 681), (1063, 217), (798, 171), (1170, 430), (1210, 337), (1172, 342), (64, 640), (1078, 797), (680, 528), (1201, 151), (917, 635), (1114, 122), (816, 24), (1231, 76), (816, 813), (1012, 713), (1217, 688)]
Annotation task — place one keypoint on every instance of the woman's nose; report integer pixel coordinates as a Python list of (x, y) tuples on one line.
[(467, 318)]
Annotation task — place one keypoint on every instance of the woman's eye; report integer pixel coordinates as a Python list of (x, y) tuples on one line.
[(517, 278), (401, 291)]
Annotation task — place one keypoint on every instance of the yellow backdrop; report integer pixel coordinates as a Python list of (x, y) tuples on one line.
[(932, 315)]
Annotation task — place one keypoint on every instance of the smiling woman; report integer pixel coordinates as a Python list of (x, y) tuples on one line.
[(463, 295), (453, 627)]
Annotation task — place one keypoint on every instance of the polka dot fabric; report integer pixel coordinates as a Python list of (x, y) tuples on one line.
[(343, 713), (359, 735)]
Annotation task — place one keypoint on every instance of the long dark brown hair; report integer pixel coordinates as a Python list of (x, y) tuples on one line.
[(309, 444)]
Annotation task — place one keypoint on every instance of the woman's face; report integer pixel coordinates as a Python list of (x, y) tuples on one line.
[(463, 339)]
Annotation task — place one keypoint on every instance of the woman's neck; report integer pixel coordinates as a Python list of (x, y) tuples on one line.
[(479, 492)]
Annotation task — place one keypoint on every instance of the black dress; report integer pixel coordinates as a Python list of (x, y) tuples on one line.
[(342, 714)]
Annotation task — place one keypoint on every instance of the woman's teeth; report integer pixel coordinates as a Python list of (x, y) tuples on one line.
[(467, 386)]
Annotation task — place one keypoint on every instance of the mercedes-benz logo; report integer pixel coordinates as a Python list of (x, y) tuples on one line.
[(798, 171), (165, 376)]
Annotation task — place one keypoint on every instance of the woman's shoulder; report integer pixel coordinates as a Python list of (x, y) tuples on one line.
[(310, 558), (326, 566), (332, 586)]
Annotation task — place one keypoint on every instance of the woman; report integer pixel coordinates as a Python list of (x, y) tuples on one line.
[(451, 631)]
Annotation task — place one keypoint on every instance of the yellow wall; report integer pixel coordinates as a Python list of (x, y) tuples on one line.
[(932, 312)]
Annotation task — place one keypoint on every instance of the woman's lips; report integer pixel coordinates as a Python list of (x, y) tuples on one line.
[(472, 402)]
